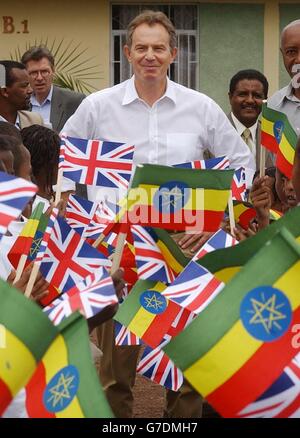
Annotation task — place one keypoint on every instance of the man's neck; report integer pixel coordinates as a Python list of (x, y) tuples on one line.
[(41, 97), (10, 116), (150, 92), (296, 92)]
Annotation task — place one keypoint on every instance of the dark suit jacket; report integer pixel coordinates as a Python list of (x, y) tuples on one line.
[(269, 160), (64, 103)]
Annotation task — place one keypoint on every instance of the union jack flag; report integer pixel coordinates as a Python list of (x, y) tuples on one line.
[(68, 258), (282, 398), (123, 336), (89, 296), (156, 365), (150, 262), (194, 288), (104, 215), (238, 186), (219, 240), (15, 193), (79, 213), (212, 163), (98, 163)]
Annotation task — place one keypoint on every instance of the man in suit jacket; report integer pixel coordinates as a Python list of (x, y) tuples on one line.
[(247, 90), (15, 96), (55, 104)]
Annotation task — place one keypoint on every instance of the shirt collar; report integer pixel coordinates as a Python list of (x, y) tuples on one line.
[(241, 128), (48, 98), (289, 94), (131, 94), (17, 122)]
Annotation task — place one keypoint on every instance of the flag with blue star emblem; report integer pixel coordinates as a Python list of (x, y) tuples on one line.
[(247, 330), (65, 383)]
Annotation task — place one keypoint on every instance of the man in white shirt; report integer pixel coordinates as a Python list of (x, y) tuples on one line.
[(168, 124), (247, 90)]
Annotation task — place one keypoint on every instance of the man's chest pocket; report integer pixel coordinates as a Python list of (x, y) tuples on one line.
[(183, 147)]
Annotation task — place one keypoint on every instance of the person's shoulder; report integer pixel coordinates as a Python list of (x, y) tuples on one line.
[(67, 93), (277, 97), (28, 118), (186, 92), (108, 93)]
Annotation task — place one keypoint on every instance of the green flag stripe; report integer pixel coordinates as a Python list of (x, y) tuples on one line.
[(264, 269), (126, 312), (194, 178), (90, 394), (164, 236), (25, 320), (239, 255), (38, 211)]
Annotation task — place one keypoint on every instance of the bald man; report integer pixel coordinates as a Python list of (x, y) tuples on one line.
[(287, 100)]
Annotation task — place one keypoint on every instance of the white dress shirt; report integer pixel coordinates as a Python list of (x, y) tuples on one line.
[(176, 129), (240, 128)]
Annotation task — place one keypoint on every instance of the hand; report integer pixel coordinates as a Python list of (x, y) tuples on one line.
[(199, 239), (119, 283), (40, 288)]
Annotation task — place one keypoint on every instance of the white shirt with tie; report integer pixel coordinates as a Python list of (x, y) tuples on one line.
[(240, 128)]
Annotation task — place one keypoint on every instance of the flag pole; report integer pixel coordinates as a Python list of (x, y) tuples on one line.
[(262, 150), (20, 268), (231, 214), (32, 278), (119, 251)]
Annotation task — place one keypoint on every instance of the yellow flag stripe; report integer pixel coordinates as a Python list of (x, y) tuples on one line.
[(54, 360), (286, 149), (227, 274), (237, 344), (267, 126), (30, 228), (200, 199), (17, 363)]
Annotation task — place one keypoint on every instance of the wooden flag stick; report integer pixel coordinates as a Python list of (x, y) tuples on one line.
[(58, 186), (119, 251), (98, 240), (20, 268), (32, 278), (262, 160), (231, 214)]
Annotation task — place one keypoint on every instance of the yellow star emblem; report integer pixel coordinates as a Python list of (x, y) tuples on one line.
[(267, 313), (61, 390)]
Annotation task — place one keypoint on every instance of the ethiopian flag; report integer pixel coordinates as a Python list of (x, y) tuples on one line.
[(171, 252), (147, 313), (243, 213), (226, 262), (28, 236), (279, 137), (246, 331), (65, 383), (177, 198), (26, 333)]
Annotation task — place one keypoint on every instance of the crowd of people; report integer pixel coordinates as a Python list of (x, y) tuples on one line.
[(168, 124)]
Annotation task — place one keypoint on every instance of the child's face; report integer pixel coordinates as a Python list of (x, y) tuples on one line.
[(289, 192)]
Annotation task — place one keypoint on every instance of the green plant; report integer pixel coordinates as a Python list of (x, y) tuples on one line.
[(73, 69)]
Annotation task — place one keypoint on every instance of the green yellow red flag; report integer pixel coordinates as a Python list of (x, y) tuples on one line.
[(226, 262), (26, 333), (278, 135), (147, 313), (177, 198), (65, 383), (246, 331)]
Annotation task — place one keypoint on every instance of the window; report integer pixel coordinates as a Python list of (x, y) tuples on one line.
[(185, 68)]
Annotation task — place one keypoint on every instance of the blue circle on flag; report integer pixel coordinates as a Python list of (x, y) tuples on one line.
[(278, 130), (61, 389), (153, 302), (266, 313), (171, 196)]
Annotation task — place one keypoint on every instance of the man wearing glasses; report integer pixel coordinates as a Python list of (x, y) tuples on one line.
[(55, 104)]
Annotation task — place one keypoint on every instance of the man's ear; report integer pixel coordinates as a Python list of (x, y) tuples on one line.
[(126, 51), (174, 54), (3, 92)]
